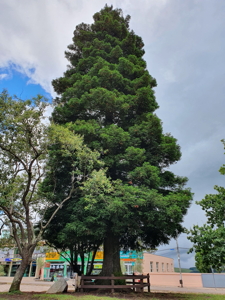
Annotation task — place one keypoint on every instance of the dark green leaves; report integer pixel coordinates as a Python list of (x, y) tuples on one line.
[(107, 96), (209, 239)]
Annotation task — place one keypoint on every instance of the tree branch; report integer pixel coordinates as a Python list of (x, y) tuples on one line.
[(14, 229), (13, 154), (56, 210)]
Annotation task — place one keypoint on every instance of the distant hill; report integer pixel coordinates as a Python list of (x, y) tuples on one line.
[(183, 270), (194, 270)]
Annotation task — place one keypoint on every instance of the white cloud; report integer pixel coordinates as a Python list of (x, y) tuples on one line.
[(35, 34), (185, 51), (3, 76), (48, 113)]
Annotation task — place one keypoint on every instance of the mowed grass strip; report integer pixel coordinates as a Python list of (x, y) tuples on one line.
[(134, 296), (151, 296), (131, 296)]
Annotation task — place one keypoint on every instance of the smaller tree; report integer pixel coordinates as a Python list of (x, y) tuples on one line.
[(200, 263), (209, 239), (25, 141), (23, 150), (71, 236), (73, 230)]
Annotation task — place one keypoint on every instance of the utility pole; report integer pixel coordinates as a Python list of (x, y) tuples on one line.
[(178, 258)]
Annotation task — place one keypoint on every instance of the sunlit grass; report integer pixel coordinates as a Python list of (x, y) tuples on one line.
[(150, 296), (126, 296)]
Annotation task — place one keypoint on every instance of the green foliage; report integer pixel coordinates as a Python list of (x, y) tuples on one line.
[(209, 243), (209, 239), (72, 228), (23, 150), (40, 262), (7, 242), (119, 281), (122, 266), (21, 141), (107, 96), (200, 263), (138, 267), (2, 273), (15, 293), (27, 143), (154, 296)]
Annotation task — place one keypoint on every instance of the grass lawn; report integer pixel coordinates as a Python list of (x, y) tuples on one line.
[(119, 296)]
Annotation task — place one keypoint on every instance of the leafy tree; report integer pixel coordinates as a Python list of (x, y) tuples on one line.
[(200, 264), (24, 142), (138, 267), (6, 239), (23, 151), (2, 273), (209, 239), (69, 234), (72, 229), (107, 96)]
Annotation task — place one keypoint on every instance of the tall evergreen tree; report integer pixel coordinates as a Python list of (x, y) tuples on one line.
[(107, 96)]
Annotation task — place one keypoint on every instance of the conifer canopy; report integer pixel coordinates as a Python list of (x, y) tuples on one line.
[(107, 95)]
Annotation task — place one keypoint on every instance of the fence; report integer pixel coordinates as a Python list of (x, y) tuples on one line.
[(213, 280), (134, 282)]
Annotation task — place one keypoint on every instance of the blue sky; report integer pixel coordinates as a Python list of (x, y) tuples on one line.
[(20, 85), (184, 50)]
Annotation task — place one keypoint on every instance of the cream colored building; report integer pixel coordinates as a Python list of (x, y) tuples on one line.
[(157, 264)]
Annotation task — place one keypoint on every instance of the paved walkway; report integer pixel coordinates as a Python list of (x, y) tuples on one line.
[(174, 289), (32, 285)]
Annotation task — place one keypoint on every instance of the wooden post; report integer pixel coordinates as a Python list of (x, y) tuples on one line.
[(112, 283), (133, 283), (142, 289), (82, 283), (148, 281)]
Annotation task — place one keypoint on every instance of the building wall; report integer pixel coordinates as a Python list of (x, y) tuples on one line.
[(131, 261), (157, 264), (173, 279)]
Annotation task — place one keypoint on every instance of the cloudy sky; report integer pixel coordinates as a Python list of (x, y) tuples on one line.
[(185, 52)]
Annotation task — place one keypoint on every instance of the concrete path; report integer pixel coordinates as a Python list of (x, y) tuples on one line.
[(32, 285), (174, 289)]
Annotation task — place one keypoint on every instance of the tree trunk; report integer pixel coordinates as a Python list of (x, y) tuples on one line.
[(111, 262), (92, 260), (25, 262), (82, 262)]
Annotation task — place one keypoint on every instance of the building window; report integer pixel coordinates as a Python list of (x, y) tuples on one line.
[(128, 268), (162, 267), (171, 267), (167, 267), (151, 266), (56, 269), (157, 267)]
